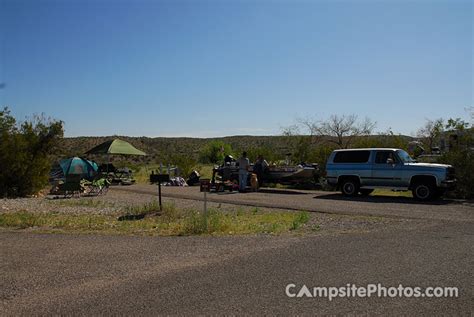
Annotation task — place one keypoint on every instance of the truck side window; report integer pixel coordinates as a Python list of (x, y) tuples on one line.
[(382, 156), (352, 157)]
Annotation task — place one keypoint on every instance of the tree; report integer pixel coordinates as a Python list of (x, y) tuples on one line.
[(25, 150), (430, 132), (265, 151), (312, 140), (461, 156), (456, 124), (340, 130), (214, 152), (185, 163), (386, 139), (300, 144)]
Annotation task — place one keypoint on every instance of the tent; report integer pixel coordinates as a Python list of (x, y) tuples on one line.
[(78, 166)]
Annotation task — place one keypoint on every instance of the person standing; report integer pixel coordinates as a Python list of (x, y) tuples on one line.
[(244, 163), (260, 168)]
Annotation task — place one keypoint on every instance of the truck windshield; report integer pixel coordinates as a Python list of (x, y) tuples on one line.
[(405, 157)]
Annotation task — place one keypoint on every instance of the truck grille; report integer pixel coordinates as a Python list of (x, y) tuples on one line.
[(450, 174)]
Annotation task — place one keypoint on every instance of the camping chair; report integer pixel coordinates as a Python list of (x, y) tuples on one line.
[(71, 186), (98, 186)]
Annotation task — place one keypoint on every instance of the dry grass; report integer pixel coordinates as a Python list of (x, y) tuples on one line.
[(170, 222), (385, 192)]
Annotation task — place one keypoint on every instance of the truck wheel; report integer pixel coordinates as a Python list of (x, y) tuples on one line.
[(366, 192), (423, 191), (350, 187)]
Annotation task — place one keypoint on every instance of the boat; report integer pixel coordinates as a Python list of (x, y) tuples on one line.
[(286, 175)]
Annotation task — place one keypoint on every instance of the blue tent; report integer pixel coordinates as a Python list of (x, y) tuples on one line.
[(78, 165)]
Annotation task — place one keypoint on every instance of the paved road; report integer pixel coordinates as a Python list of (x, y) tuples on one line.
[(68, 274), (328, 202), (85, 274)]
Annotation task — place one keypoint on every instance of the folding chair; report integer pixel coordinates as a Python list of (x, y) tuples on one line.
[(71, 186)]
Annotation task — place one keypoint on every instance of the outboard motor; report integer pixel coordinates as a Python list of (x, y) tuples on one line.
[(228, 159), (193, 178)]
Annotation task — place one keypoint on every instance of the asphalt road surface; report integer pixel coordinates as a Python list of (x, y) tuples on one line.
[(45, 274), (327, 202), (67, 274)]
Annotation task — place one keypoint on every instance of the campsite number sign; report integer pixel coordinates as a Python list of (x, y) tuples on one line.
[(205, 185)]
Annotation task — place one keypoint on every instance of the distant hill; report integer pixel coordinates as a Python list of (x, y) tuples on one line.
[(161, 148)]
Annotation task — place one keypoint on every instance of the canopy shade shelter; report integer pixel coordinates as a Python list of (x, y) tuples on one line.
[(115, 146)]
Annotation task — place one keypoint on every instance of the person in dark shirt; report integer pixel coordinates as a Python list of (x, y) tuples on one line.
[(259, 168), (244, 163)]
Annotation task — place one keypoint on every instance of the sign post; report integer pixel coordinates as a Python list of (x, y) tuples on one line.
[(159, 178), (205, 188)]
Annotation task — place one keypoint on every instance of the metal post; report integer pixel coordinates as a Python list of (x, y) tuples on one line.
[(159, 194), (205, 211)]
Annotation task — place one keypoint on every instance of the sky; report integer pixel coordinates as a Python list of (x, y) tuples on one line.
[(217, 68)]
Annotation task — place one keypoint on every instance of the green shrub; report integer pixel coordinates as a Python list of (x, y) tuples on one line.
[(268, 154), (196, 223), (25, 150), (170, 213), (214, 152), (301, 219), (185, 163), (463, 162), (212, 222)]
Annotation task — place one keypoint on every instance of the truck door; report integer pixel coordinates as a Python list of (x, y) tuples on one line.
[(385, 169)]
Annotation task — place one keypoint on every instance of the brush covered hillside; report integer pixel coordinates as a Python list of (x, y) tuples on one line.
[(161, 149)]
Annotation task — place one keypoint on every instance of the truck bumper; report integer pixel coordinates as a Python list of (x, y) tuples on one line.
[(448, 184)]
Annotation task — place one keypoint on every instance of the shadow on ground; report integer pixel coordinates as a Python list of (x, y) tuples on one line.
[(385, 199), (280, 191)]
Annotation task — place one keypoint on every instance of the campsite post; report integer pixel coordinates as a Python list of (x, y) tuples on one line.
[(159, 196), (205, 188), (159, 178)]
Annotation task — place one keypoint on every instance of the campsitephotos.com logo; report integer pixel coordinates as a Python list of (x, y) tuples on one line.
[(369, 290)]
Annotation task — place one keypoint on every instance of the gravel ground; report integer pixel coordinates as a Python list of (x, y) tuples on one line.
[(116, 202), (327, 202), (55, 274), (354, 242)]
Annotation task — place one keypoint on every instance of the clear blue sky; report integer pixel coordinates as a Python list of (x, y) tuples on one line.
[(215, 68)]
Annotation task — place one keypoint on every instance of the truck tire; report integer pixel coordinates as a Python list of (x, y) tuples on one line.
[(424, 191), (366, 192), (350, 187)]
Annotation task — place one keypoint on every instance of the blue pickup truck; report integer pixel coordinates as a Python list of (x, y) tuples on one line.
[(355, 171)]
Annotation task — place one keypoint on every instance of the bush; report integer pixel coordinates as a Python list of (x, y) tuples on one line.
[(185, 163), (25, 150), (267, 153), (301, 219), (320, 155), (214, 152), (461, 157)]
